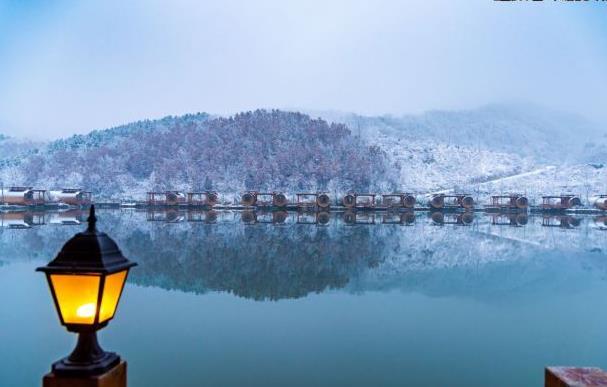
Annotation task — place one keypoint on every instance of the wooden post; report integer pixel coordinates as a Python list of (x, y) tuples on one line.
[(116, 377), (575, 377)]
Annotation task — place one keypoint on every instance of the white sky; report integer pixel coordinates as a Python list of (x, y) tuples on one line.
[(74, 66)]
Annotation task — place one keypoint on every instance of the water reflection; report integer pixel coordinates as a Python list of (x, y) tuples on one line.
[(423, 283), (275, 217), (21, 219), (271, 255), (440, 218), (321, 218), (260, 262), (68, 217), (170, 215), (208, 217), (248, 217), (27, 219), (562, 221), (601, 222), (513, 219), (356, 217)]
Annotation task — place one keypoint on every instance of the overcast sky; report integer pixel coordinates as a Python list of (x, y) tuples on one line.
[(73, 66)]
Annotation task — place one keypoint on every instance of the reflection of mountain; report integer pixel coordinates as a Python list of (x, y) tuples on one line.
[(259, 262), (290, 260)]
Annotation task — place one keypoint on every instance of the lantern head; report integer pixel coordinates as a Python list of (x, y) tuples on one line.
[(86, 279)]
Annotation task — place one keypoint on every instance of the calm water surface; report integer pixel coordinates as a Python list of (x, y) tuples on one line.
[(233, 299)]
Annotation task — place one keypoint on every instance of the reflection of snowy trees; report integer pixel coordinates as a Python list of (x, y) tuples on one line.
[(270, 262), (259, 262)]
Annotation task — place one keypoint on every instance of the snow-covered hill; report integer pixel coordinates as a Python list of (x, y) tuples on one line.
[(529, 131), (427, 165), (12, 148), (585, 180), (266, 150), (496, 148)]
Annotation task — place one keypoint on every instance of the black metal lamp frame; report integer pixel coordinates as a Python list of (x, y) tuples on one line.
[(88, 253)]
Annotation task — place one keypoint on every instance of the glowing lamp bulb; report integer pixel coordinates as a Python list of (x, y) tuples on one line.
[(86, 310)]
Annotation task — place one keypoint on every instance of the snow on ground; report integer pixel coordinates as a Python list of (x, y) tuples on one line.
[(582, 179), (427, 166), (435, 167)]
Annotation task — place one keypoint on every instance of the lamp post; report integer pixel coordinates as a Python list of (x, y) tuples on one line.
[(86, 280)]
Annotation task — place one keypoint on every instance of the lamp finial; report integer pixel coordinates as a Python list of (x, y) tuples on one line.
[(92, 219)]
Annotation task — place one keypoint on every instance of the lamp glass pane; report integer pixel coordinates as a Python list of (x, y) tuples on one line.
[(111, 295), (77, 296)]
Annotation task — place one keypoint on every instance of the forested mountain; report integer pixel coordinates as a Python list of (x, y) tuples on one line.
[(291, 151), (253, 150)]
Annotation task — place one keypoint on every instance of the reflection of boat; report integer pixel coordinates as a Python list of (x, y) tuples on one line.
[(403, 218), (306, 217), (323, 218), (67, 218), (279, 217), (356, 217), (21, 219), (601, 222), (266, 217), (564, 221), (169, 215), (248, 217), (515, 219), (457, 218)]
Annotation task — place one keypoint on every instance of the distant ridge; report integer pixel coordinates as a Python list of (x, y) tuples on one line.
[(101, 137), (523, 129)]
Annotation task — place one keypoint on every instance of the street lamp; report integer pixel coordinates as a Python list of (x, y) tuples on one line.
[(86, 280)]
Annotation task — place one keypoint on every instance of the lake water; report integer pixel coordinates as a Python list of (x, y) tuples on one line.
[(233, 299)]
